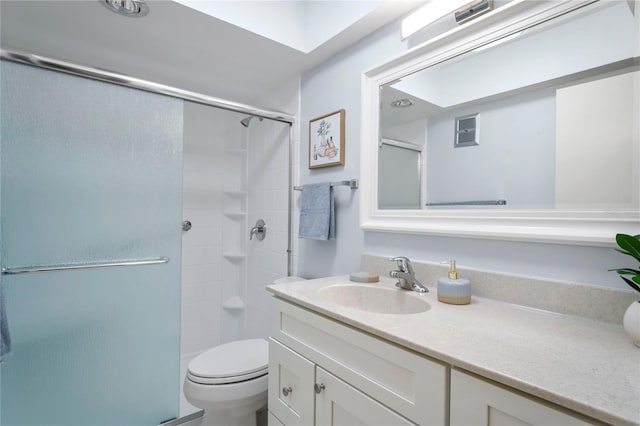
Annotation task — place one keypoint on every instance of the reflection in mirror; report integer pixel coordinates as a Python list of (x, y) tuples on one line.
[(399, 174), (555, 121)]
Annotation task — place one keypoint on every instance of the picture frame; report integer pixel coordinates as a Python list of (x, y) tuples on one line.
[(326, 140)]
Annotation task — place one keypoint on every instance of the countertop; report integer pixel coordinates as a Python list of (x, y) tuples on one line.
[(587, 366)]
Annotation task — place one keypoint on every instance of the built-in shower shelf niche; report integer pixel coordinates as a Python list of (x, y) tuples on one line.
[(234, 255), (236, 215), (234, 304), (235, 204), (235, 235)]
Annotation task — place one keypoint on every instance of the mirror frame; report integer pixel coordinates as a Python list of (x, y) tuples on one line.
[(584, 227)]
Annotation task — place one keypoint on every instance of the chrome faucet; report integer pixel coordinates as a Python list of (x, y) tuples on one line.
[(406, 276)]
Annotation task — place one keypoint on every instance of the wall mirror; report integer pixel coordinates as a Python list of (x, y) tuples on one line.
[(523, 124)]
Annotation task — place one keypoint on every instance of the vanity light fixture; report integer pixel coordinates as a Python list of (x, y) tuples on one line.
[(130, 8), (403, 103), (472, 10), (428, 14)]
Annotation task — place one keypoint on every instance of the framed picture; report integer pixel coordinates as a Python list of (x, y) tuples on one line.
[(326, 140)]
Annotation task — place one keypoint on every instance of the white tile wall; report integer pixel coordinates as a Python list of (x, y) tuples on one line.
[(210, 168), (268, 200), (202, 245), (206, 133)]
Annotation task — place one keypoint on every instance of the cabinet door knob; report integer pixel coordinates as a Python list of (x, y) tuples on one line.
[(319, 387), (286, 391)]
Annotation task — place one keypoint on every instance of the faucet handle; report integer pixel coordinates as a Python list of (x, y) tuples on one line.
[(404, 264)]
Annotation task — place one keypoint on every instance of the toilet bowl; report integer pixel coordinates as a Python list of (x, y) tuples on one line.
[(229, 382)]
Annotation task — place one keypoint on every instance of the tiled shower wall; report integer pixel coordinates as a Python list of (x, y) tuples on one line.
[(211, 137), (268, 186), (202, 245), (208, 132), (268, 200)]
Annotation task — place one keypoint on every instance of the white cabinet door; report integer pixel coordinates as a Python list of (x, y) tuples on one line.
[(291, 380), (273, 420), (477, 402), (399, 379), (339, 404)]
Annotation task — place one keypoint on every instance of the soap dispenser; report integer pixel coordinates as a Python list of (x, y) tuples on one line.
[(454, 290)]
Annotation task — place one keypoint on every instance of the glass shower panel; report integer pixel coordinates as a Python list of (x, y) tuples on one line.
[(90, 172)]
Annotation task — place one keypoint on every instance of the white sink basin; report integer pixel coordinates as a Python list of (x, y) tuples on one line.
[(374, 299)]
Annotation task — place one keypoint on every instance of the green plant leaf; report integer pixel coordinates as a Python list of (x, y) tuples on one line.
[(626, 271), (630, 244), (633, 285)]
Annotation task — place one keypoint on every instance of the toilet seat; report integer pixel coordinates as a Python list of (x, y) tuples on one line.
[(232, 362)]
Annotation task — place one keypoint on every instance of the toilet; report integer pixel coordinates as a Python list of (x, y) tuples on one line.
[(229, 382)]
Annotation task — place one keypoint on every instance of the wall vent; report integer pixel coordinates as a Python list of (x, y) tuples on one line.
[(467, 131)]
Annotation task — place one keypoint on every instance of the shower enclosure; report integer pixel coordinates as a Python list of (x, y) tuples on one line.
[(234, 176), (91, 187), (90, 175)]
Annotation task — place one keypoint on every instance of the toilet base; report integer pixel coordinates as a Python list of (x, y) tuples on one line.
[(232, 404), (229, 394)]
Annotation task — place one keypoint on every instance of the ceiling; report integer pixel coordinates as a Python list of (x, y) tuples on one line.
[(176, 45)]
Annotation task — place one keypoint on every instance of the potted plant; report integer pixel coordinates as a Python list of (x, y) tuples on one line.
[(630, 245)]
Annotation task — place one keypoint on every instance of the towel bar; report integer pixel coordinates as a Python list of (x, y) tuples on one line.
[(471, 203), (351, 183), (74, 266)]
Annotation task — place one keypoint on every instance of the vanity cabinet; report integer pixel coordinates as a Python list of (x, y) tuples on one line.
[(291, 391), (323, 372), (478, 402), (339, 404), (306, 394)]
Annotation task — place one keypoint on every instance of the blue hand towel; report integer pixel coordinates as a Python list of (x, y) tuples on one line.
[(317, 212), (5, 338)]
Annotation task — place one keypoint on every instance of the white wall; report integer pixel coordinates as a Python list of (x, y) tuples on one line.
[(597, 122), (329, 87), (201, 283), (515, 158), (299, 24), (335, 84)]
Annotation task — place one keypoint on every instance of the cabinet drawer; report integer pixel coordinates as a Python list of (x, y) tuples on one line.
[(291, 380), (339, 404), (478, 402), (412, 385)]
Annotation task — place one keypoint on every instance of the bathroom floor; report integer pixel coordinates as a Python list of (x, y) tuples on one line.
[(261, 420), (195, 422)]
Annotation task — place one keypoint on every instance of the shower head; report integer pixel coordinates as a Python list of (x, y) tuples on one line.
[(130, 8), (245, 121)]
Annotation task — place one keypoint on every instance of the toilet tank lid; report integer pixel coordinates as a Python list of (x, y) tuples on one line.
[(232, 359)]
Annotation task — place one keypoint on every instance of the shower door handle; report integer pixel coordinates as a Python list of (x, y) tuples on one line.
[(260, 230)]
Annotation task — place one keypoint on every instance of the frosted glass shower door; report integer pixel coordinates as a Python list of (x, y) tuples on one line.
[(90, 172)]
